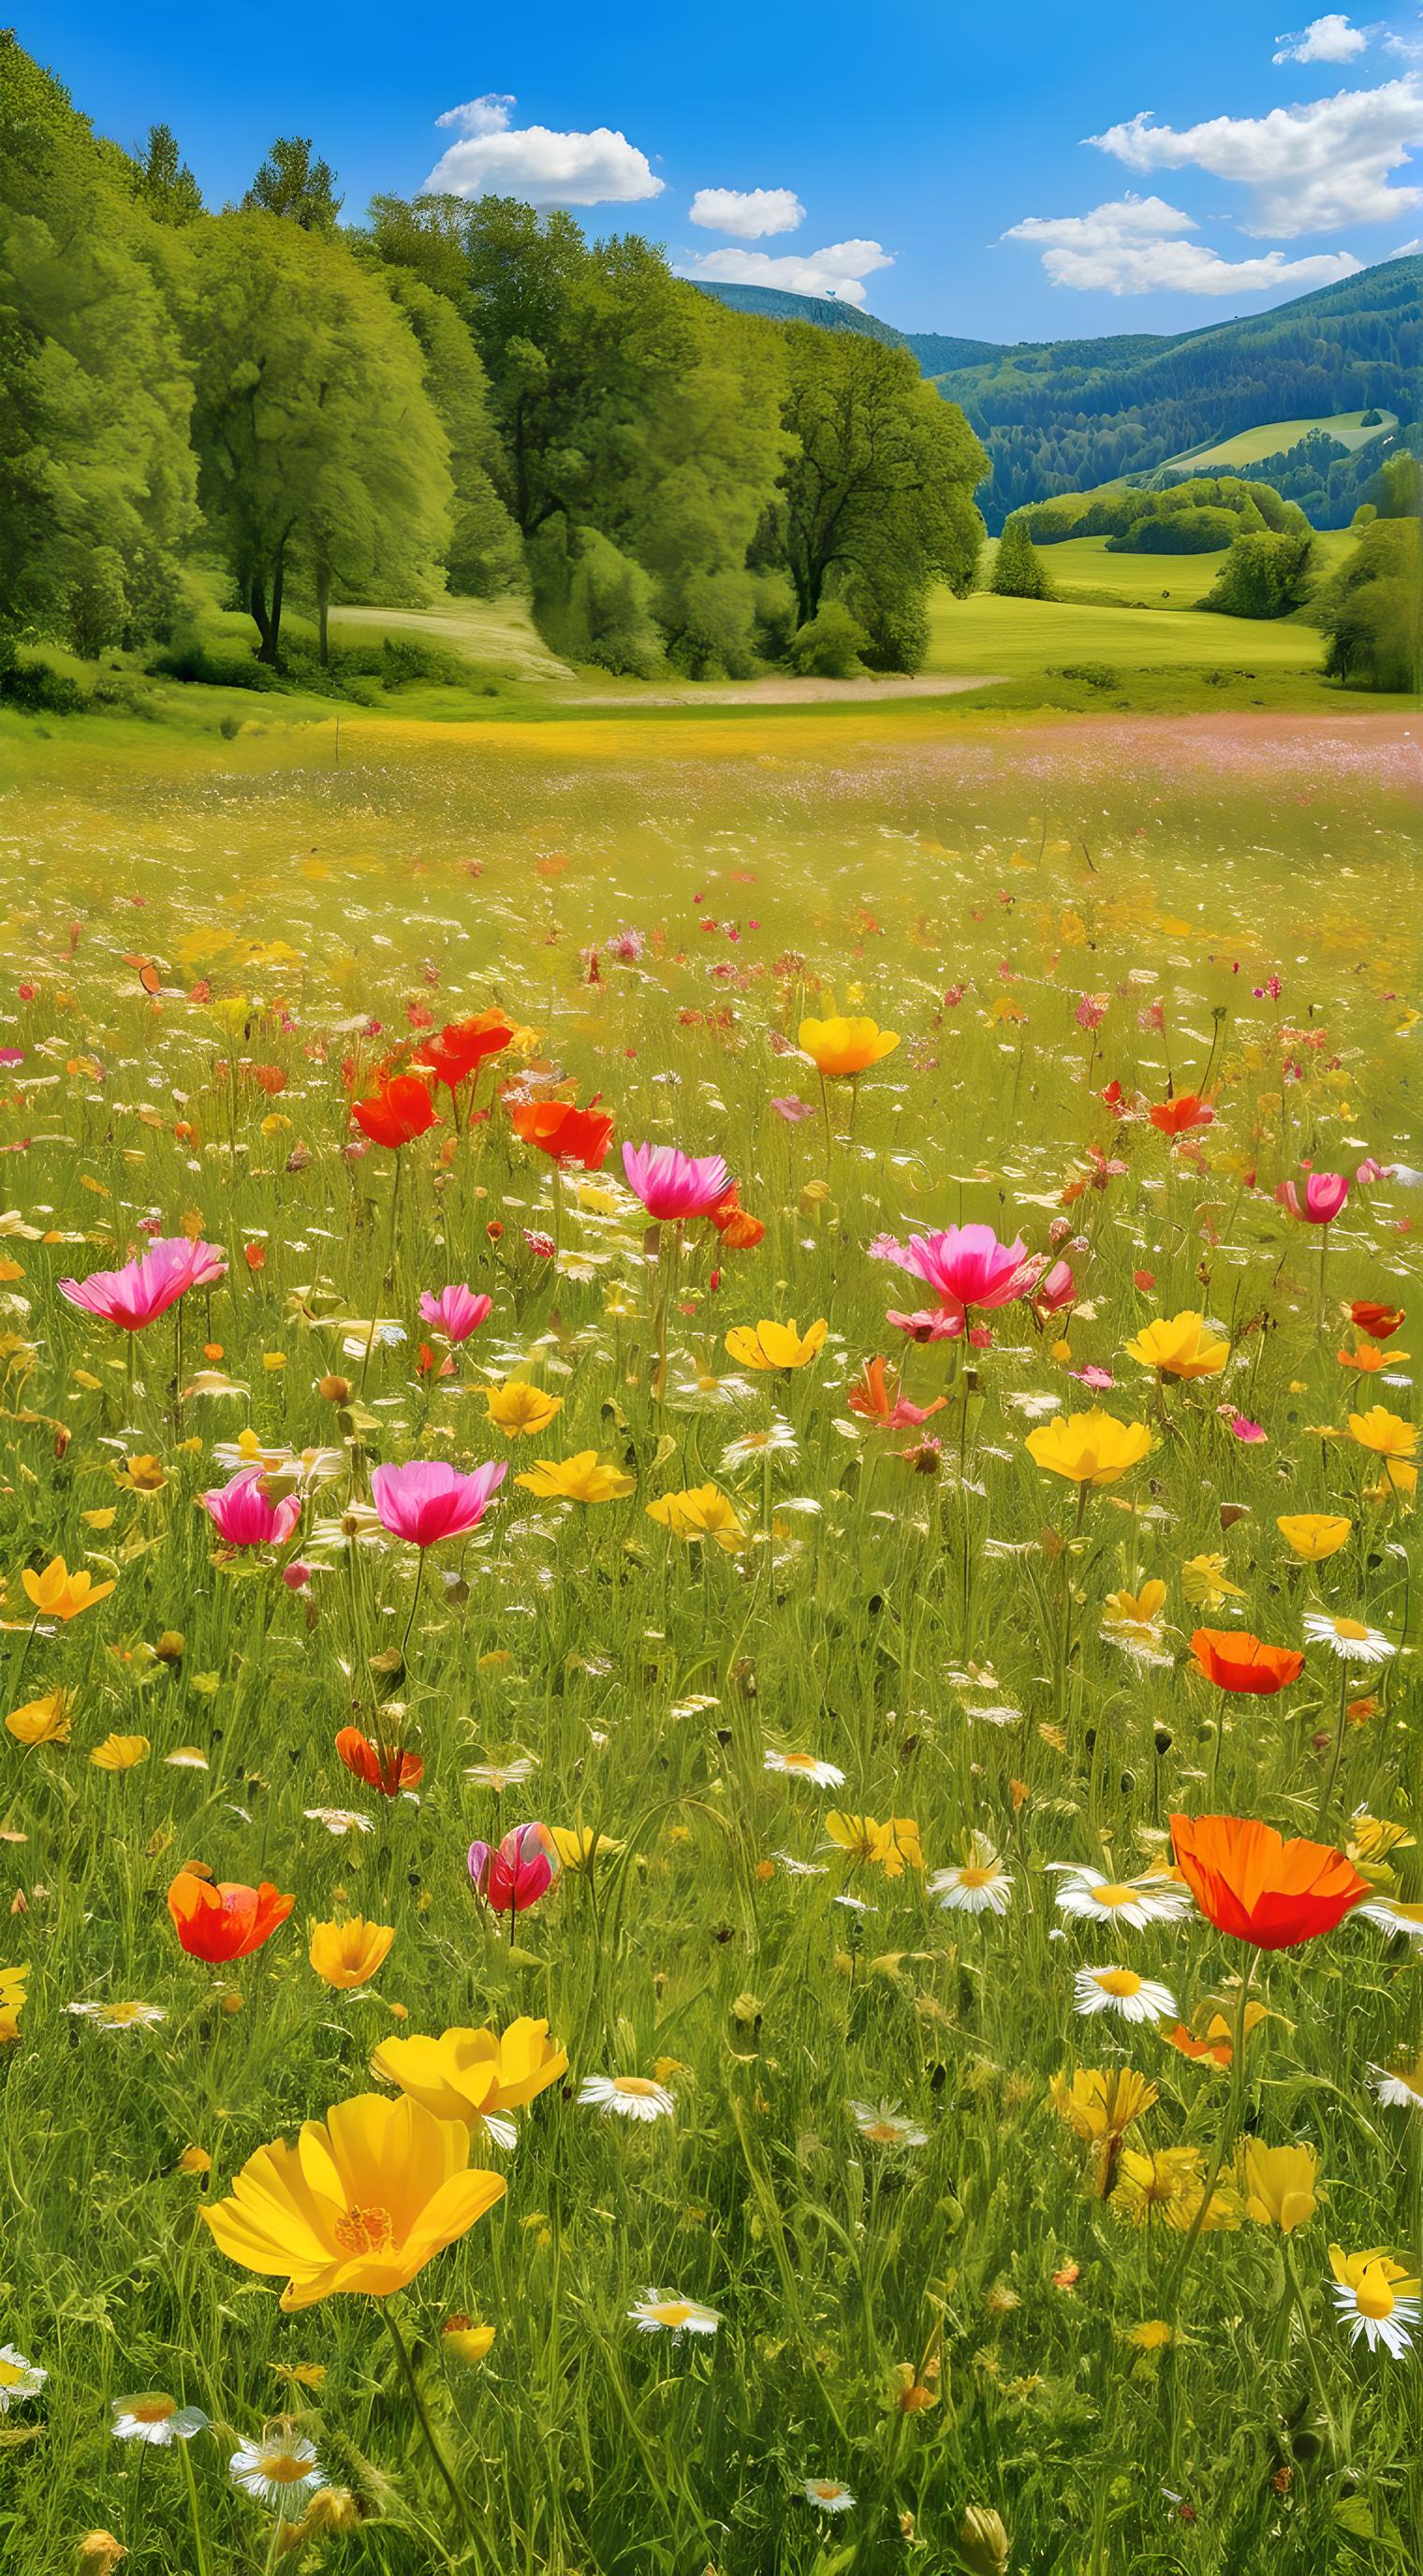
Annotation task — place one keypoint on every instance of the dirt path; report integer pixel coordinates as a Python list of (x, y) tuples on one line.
[(775, 692)]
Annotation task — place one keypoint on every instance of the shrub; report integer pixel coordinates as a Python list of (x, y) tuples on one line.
[(829, 645), (1262, 576)]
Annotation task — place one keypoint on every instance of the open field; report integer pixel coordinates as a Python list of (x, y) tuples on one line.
[(1272, 438), (854, 1727)]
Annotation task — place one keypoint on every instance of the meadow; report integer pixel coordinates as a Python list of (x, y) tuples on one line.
[(826, 2115)]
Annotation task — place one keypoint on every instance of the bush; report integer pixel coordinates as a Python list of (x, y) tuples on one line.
[(36, 689), (1098, 675), (829, 645), (190, 658), (592, 602), (1177, 532), (98, 604), (1017, 572), (1262, 576)]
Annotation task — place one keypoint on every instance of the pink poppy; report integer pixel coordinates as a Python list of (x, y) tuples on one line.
[(673, 1185), (515, 1873), (1324, 1195), (456, 1312), (428, 1500), (146, 1288), (245, 1515)]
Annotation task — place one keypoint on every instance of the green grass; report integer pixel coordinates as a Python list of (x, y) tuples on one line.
[(929, 1616), (1273, 437)]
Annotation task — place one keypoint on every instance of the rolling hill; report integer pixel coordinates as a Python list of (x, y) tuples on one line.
[(1065, 415)]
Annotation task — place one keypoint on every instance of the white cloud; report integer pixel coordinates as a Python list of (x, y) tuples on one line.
[(1408, 250), (1135, 247), (834, 271), (1324, 40), (536, 162), (1310, 167), (749, 213)]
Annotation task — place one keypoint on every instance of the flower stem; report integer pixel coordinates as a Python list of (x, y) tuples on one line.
[(200, 2558), (1229, 2126), (455, 2491)]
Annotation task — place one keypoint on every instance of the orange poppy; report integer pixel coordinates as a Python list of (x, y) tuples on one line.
[(1250, 1882), (568, 1133), (1377, 1321), (462, 1045), (400, 1110), (1178, 1116), (1236, 1661), (739, 1230), (226, 1921), (389, 1772)]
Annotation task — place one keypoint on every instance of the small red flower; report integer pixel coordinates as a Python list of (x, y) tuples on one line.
[(390, 1772)]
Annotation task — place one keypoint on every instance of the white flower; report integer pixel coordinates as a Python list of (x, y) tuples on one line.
[(1121, 1990), (502, 1775), (886, 2126), (1349, 1639), (340, 1820), (805, 1766), (802, 1868), (1399, 2089), (979, 1885), (283, 2472), (156, 2417), (1374, 2307), (18, 2377), (630, 2097), (359, 1525), (776, 1441), (828, 2494), (1391, 1915), (663, 2312), (120, 2016), (1090, 1898), (708, 1394)]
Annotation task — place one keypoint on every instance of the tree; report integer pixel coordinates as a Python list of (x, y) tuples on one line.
[(1018, 569), (877, 492), (1263, 575), (484, 556), (1372, 611), (320, 453), (94, 422), (294, 186), (162, 182)]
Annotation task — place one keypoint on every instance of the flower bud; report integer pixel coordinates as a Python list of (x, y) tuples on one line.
[(983, 2542)]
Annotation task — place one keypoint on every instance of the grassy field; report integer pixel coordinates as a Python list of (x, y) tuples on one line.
[(864, 2285), (1273, 437)]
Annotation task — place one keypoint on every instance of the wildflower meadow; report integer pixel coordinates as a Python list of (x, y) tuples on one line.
[(711, 1805)]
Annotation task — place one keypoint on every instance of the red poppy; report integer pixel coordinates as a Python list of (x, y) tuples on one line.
[(223, 1922), (462, 1045), (569, 1134), (739, 1231), (1379, 1322), (1236, 1661), (390, 1772), (1248, 1881), (1177, 1117), (400, 1110)]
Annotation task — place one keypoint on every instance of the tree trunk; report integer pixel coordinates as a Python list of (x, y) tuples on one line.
[(257, 611), (272, 640), (323, 604)]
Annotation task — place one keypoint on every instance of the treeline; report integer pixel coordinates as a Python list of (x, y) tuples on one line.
[(463, 395), (1071, 414), (1329, 480)]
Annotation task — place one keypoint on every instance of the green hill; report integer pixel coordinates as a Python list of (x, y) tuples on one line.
[(779, 306)]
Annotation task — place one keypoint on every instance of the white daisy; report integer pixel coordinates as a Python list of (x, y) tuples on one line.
[(1349, 1639), (1376, 2296), (805, 1766), (282, 2471), (801, 1868), (187, 1757), (828, 2495), (340, 1820), (1090, 1898), (499, 1776), (128, 2016), (630, 2097), (1392, 1915), (18, 2377), (1399, 2088), (776, 1441), (709, 1394), (157, 2418), (886, 2126), (980, 1885), (663, 2312), (1121, 1990), (359, 1525)]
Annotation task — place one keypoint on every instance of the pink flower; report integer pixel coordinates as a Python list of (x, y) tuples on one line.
[(1056, 1288), (1252, 1433), (1369, 1171), (1324, 1195), (296, 1575), (429, 1500), (673, 1185), (927, 1324), (143, 1289), (517, 1872), (245, 1515), (456, 1312), (792, 1110), (965, 1265)]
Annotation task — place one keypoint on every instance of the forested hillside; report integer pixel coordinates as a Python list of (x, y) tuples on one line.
[(470, 394)]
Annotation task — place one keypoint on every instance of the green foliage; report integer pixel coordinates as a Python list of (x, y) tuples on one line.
[(1264, 575), (161, 181), (483, 558), (98, 604), (292, 185), (830, 644), (94, 421), (1018, 570), (1372, 611), (1162, 531)]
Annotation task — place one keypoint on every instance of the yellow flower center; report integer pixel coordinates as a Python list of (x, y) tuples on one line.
[(800, 1761), (10, 2377), (640, 2085), (364, 2231), (883, 2132), (285, 2468), (1119, 1981), (827, 2488), (1352, 1629), (154, 2409), (1116, 1892), (1373, 2297), (977, 1876), (118, 2016), (673, 2312)]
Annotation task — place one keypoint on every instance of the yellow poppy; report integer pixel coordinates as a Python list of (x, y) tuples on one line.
[(120, 1752), (1314, 1535), (43, 1721), (579, 1848), (769, 1345), (840, 1046), (584, 1479), (516, 1407), (1279, 2185), (1184, 1347), (472, 2075), (58, 1594), (1089, 1448), (350, 1953), (702, 1512)]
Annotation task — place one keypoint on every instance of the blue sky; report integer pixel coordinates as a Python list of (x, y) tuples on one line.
[(931, 162)]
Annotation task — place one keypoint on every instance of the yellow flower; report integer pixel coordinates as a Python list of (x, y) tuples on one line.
[(578, 1848), (350, 1953), (360, 2204), (1099, 2103), (194, 2160), (889, 1846), (143, 1475), (120, 1752), (584, 1479), (1089, 1448), (769, 1345), (473, 2075), (1182, 1347), (701, 1512), (841, 1046), (1279, 2184), (1314, 1535), (12, 1996), (1372, 1838), (517, 1407), (43, 1721), (467, 2343), (1168, 2185), (1135, 1614), (1204, 1583), (1152, 2335), (58, 1594), (1387, 1434)]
